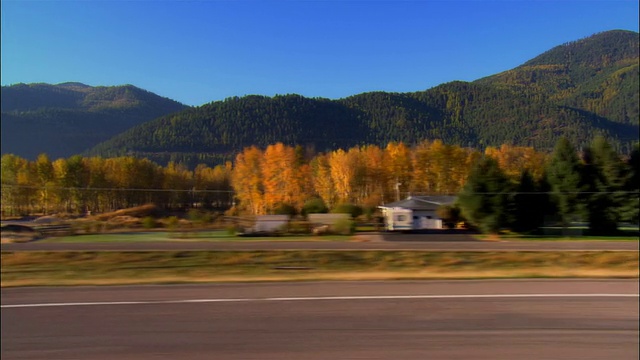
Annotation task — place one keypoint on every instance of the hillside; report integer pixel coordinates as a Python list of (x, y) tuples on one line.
[(66, 119), (578, 90)]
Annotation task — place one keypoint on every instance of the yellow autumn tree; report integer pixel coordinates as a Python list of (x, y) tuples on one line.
[(513, 160), (343, 168), (212, 185), (425, 178), (280, 172), (321, 179), (400, 167), (246, 180), (376, 176)]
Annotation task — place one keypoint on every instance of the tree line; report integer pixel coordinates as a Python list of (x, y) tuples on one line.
[(502, 187), (79, 185), (594, 185)]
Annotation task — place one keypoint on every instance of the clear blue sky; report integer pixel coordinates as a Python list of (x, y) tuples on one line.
[(201, 51)]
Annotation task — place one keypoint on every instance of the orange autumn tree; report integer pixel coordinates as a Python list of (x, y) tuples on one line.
[(424, 179), (347, 174), (246, 179), (341, 172), (440, 168), (400, 175), (281, 170), (322, 181), (376, 176), (513, 160)]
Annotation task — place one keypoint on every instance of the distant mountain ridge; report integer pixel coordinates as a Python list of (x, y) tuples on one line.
[(579, 90), (69, 118)]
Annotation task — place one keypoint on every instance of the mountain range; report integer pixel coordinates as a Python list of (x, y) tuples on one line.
[(577, 90), (67, 119)]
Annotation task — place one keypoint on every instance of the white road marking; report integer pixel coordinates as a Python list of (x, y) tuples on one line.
[(314, 298)]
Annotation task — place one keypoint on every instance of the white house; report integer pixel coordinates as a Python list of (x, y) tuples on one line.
[(415, 212)]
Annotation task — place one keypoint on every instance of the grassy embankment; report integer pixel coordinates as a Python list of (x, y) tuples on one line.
[(221, 235), (183, 236), (152, 267)]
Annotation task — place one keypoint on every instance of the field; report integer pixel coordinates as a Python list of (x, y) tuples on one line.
[(183, 236), (152, 267)]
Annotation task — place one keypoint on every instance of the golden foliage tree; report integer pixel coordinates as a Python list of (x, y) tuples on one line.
[(246, 179)]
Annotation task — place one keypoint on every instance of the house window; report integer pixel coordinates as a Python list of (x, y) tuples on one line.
[(401, 218)]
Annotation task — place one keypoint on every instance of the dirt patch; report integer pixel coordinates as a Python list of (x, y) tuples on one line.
[(367, 238), (14, 233), (18, 238), (44, 220), (135, 212)]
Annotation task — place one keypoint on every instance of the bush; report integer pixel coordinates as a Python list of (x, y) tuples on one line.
[(284, 209), (149, 222), (352, 209), (450, 215), (232, 230), (314, 206), (344, 227), (199, 216), (173, 222), (369, 212)]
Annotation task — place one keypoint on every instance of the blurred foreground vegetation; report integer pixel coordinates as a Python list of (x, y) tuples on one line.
[(144, 267)]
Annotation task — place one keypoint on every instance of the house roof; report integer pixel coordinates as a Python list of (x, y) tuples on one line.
[(421, 202)]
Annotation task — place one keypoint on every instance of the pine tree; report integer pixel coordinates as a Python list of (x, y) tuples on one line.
[(604, 181), (530, 204), (564, 175), (484, 200)]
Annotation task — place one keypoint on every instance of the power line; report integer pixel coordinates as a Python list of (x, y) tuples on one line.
[(621, 192), (114, 189)]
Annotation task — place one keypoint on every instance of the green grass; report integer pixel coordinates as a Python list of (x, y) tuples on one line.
[(516, 237), (182, 236), (148, 267), (575, 233)]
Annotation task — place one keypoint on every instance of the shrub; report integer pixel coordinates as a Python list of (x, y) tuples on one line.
[(285, 209), (369, 212), (198, 216), (449, 214), (314, 206), (344, 227), (352, 209), (149, 222), (194, 215), (173, 222), (232, 230)]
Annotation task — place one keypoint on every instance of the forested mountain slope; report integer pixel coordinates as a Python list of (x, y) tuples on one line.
[(66, 119), (578, 90)]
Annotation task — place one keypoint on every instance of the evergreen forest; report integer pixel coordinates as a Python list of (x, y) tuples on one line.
[(577, 90), (69, 118)]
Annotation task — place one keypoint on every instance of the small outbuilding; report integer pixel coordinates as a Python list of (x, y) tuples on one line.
[(269, 223), (415, 213)]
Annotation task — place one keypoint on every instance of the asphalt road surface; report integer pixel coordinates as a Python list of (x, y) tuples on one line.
[(427, 242), (526, 319)]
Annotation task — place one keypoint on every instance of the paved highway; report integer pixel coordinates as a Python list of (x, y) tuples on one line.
[(386, 242), (526, 319)]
